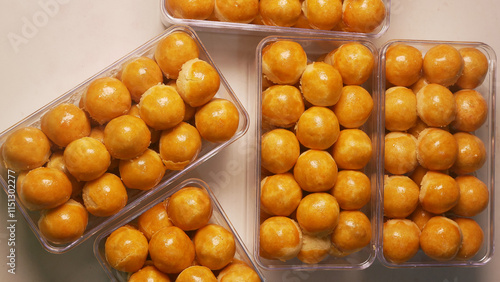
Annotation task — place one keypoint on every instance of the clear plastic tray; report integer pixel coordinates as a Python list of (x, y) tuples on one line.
[(314, 48), (242, 28), (134, 196), (486, 174), (218, 217)]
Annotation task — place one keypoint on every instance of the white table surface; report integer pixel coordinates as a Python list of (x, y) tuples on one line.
[(46, 52)]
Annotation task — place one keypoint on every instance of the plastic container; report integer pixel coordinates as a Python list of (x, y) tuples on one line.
[(486, 174), (218, 217), (314, 48), (243, 28), (134, 196)]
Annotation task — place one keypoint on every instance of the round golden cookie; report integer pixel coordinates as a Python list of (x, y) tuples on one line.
[(315, 171), (106, 98), (323, 14), (354, 61), (474, 196), (154, 219), (403, 65), (472, 238), (354, 106), (475, 68), (26, 148), (421, 82), (353, 149), (198, 82), (443, 65), (280, 194), (318, 128), (471, 110), (217, 120), (400, 240), (44, 188), (401, 196), (280, 238), (318, 214), (142, 172), (86, 158), (302, 22), (238, 272), (139, 75), (353, 232), (192, 9), (314, 248), (190, 208), (243, 11), (321, 84), (97, 132), (436, 105), (280, 150), (173, 51), (352, 189), (171, 250), (439, 192), (471, 153), (362, 15), (149, 273), (420, 216), (417, 128), (400, 154), (126, 137), (280, 13), (441, 238), (161, 107), (215, 246), (104, 196), (57, 161), (196, 273), (282, 105), (65, 223), (179, 146), (284, 61), (437, 149), (418, 173), (400, 109), (64, 124), (126, 249)]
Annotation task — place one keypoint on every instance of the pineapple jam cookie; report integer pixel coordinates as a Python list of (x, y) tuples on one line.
[(106, 98), (173, 51), (284, 61)]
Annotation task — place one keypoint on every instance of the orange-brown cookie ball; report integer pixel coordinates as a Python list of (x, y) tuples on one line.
[(318, 128), (280, 194), (436, 105), (237, 271), (161, 107), (190, 208), (106, 98), (362, 15), (353, 232), (314, 248), (418, 173), (86, 158), (400, 154), (443, 65), (354, 61), (142, 172), (322, 14), (126, 137), (173, 51), (471, 110), (215, 246), (65, 223), (282, 105), (439, 192), (126, 249), (475, 68), (437, 149), (26, 148), (318, 214), (472, 238), (196, 273), (401, 196), (474, 196), (104, 196), (284, 61), (315, 171), (280, 150), (403, 64), (441, 238), (154, 219), (471, 153), (64, 124), (352, 189), (321, 84), (353, 149), (417, 128), (57, 161), (420, 216), (139, 75), (280, 12), (421, 82), (148, 273), (243, 11), (171, 250), (179, 146), (400, 240), (280, 238), (97, 132), (193, 9), (400, 109), (354, 106), (198, 82), (217, 120)]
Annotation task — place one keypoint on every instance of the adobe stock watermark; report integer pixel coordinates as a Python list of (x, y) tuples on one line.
[(32, 25), (11, 221)]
